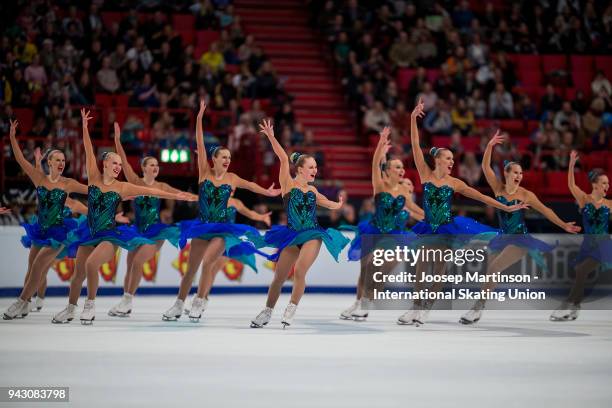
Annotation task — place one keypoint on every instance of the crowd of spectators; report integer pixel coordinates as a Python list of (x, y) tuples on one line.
[(475, 77)]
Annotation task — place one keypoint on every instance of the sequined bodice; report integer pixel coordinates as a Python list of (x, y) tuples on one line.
[(213, 201), (231, 214), (595, 220), (389, 214), (301, 209), (101, 209), (511, 222), (50, 207), (147, 212), (437, 202)]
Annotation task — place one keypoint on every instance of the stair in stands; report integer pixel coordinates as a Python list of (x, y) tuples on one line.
[(299, 57)]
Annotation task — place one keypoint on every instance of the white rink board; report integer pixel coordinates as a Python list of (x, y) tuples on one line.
[(325, 272)]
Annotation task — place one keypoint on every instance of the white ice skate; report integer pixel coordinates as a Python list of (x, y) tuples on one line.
[(88, 314), (347, 313), (188, 308), (262, 318), (123, 308), (473, 315), (288, 315), (174, 313), (422, 314), (566, 312), (36, 304), (197, 307), (361, 313), (409, 317), (66, 315), (18, 310)]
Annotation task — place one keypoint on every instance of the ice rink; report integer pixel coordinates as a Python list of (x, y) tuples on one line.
[(509, 359)]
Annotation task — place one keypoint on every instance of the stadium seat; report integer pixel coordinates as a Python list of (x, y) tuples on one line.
[(604, 62), (121, 100), (104, 100), (554, 63), (582, 63), (110, 17), (403, 78), (183, 21), (528, 66), (25, 117)]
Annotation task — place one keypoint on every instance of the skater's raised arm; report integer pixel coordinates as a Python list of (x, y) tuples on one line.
[(327, 203), (203, 166), (130, 174), (379, 154), (417, 153), (576, 191), (93, 173), (129, 190), (284, 175), (247, 212), (239, 182), (489, 174), (464, 189), (532, 200), (35, 175)]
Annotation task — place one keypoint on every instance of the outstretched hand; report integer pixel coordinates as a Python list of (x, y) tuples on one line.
[(117, 132), (266, 218), (202, 107), (85, 116), (497, 139), (4, 210), (516, 207), (37, 156), (573, 158), (419, 110), (338, 204), (571, 227), (266, 128), (121, 218), (273, 192), (14, 125), (184, 196)]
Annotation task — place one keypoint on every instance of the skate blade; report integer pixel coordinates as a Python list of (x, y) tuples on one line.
[(418, 323), (468, 322), (257, 326), (119, 314), (195, 319), (170, 318), (405, 323), (342, 317), (285, 324), (87, 322), (7, 317), (61, 321)]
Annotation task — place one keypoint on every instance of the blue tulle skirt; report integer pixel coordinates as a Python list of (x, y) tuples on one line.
[(535, 247), (458, 232), (163, 232), (598, 247), (242, 241), (125, 236), (281, 236), (360, 247)]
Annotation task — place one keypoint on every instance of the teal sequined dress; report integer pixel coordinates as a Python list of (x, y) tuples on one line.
[(53, 222), (390, 218), (148, 223), (596, 243), (514, 232), (437, 203), (302, 226), (215, 220), (101, 226)]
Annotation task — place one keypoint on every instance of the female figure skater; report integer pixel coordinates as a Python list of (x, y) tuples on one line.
[(299, 242), (515, 242), (438, 189), (147, 222), (596, 248), (48, 234), (234, 205), (97, 240), (391, 199), (212, 234)]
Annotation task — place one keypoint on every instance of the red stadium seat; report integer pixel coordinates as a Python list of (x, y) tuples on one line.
[(204, 38), (404, 76), (515, 127), (582, 63), (121, 101), (183, 22), (582, 81), (532, 126), (104, 100), (604, 62), (528, 67), (433, 74), (554, 63), (522, 143), (25, 117), (556, 183), (110, 17)]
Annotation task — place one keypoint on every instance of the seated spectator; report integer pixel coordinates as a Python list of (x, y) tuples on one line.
[(107, 77), (463, 118), (428, 95), (469, 169), (551, 102), (601, 140), (213, 59), (500, 103), (35, 75), (400, 119), (566, 117), (438, 120), (376, 118), (477, 104), (403, 53), (600, 85)]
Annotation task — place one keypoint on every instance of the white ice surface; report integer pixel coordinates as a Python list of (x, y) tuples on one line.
[(510, 359)]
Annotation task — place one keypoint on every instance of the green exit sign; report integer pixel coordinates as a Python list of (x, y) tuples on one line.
[(175, 156)]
